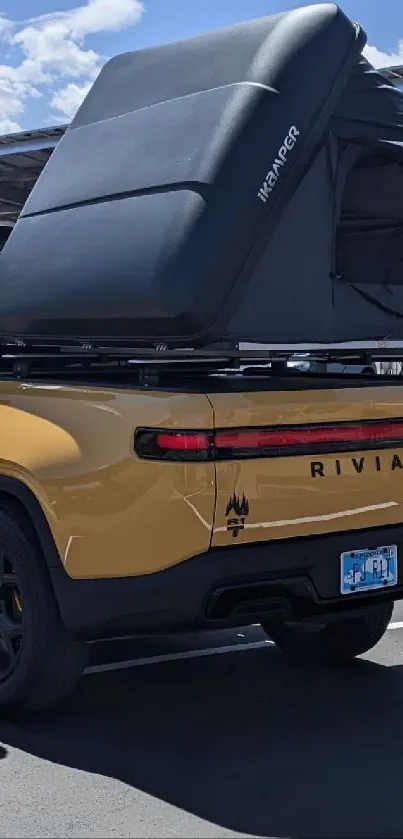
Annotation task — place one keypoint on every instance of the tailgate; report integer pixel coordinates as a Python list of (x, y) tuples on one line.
[(307, 462)]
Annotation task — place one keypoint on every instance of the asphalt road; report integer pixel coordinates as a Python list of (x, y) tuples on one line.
[(213, 736)]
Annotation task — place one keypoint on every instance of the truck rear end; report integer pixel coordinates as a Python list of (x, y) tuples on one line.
[(309, 494), (316, 477)]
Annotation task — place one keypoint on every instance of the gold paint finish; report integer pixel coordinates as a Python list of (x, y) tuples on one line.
[(284, 500), (110, 513)]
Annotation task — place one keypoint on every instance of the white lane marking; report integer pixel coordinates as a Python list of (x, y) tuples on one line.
[(158, 659), (309, 519), (189, 654)]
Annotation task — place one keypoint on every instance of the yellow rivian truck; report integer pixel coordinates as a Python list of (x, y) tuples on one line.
[(215, 204)]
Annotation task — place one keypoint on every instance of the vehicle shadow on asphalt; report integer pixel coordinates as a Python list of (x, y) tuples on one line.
[(243, 741)]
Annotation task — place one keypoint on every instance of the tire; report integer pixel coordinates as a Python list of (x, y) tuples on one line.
[(40, 664), (338, 641)]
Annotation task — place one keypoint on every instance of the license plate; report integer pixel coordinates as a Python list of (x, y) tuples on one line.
[(367, 570)]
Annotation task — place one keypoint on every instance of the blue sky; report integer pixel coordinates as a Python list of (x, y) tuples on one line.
[(51, 50)]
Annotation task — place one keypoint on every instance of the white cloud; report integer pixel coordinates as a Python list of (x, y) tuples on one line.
[(13, 94), (95, 16), (384, 59), (68, 99), (52, 49)]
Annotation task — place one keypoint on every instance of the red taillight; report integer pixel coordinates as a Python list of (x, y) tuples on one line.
[(174, 445), (309, 436), (267, 442), (183, 441)]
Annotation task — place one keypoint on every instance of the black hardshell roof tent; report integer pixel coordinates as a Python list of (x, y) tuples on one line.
[(245, 185)]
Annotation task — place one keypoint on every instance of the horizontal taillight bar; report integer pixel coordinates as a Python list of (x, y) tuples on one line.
[(230, 444)]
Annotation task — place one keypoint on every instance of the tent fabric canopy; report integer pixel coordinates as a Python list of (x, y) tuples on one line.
[(370, 108), (254, 179)]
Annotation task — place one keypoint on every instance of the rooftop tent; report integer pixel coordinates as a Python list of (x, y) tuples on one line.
[(221, 188)]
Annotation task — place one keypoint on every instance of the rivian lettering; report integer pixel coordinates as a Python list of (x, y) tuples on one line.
[(359, 465)]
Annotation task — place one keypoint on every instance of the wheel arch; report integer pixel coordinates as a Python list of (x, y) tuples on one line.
[(19, 499)]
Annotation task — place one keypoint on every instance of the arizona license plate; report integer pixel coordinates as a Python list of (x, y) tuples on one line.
[(367, 570)]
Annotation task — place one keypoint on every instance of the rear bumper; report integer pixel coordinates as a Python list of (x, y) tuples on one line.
[(295, 579)]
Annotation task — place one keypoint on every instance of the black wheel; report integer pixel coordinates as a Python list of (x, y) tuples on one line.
[(40, 664), (336, 641)]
